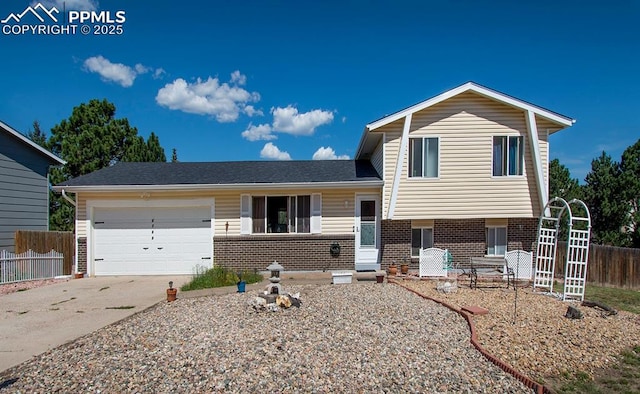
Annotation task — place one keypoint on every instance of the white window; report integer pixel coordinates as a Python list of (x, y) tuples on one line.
[(421, 238), (496, 241), (423, 157), (281, 214), (508, 156)]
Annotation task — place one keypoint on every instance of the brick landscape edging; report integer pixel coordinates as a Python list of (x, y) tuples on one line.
[(532, 384)]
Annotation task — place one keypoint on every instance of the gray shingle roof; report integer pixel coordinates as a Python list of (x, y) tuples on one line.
[(229, 173)]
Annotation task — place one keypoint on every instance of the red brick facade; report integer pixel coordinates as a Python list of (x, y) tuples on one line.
[(293, 252), (82, 254), (464, 238), (395, 242)]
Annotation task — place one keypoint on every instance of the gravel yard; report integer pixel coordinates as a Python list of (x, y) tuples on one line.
[(363, 337), (542, 342)]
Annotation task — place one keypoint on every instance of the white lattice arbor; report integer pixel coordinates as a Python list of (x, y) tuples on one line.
[(576, 213), (521, 263), (547, 242), (433, 262), (575, 272)]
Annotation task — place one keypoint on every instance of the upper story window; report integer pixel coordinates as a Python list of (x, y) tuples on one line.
[(508, 155), (424, 157)]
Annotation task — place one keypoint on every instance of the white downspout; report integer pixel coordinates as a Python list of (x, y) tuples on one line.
[(64, 194)]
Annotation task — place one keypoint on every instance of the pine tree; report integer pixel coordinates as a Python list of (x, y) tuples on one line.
[(90, 139)]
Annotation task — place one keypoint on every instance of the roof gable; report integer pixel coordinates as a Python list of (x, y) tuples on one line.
[(478, 89), (26, 141), (561, 120)]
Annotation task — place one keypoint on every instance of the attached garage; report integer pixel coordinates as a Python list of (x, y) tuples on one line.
[(150, 240)]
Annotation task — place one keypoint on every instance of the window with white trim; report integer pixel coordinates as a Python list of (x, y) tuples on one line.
[(424, 157), (281, 214), (508, 155), (496, 241), (421, 238)]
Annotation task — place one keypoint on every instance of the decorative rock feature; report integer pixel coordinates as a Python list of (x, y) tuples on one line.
[(273, 302), (448, 286)]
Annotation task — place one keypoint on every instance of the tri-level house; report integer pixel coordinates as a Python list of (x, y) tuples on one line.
[(466, 170)]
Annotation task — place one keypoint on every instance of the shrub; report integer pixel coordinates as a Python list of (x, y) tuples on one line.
[(219, 277)]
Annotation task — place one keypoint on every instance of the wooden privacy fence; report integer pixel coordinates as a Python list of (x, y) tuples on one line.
[(29, 266), (45, 241), (608, 265)]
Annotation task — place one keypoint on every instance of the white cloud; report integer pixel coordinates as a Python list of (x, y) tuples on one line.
[(75, 5), (250, 110), (207, 97), (158, 73), (114, 72), (257, 133), (238, 78), (328, 154), (344, 119), (288, 120), (271, 151), (140, 69)]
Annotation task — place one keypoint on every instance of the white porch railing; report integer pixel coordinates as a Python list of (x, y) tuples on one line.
[(29, 266)]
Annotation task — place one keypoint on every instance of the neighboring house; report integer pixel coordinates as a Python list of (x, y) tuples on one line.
[(24, 185), (465, 170)]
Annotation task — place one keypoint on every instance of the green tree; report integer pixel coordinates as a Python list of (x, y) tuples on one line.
[(174, 155), (630, 187), (561, 184), (140, 151), (36, 135), (90, 139), (604, 197)]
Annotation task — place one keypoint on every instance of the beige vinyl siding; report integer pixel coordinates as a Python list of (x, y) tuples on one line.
[(392, 135), (338, 206), (377, 158), (466, 188), (81, 217)]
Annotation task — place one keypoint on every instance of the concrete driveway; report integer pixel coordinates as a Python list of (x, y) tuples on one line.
[(36, 320)]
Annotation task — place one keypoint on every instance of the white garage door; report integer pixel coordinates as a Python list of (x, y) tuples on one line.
[(151, 241)]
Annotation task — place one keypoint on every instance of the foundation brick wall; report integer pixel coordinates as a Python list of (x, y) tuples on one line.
[(522, 233), (293, 252), (395, 242), (464, 238), (82, 255)]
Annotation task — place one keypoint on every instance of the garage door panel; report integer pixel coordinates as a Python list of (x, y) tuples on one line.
[(150, 241)]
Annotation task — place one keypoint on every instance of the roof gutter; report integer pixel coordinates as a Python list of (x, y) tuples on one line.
[(235, 186), (64, 194)]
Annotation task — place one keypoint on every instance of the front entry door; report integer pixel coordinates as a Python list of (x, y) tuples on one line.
[(367, 229)]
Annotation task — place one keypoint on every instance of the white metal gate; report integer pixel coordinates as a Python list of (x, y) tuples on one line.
[(579, 223)]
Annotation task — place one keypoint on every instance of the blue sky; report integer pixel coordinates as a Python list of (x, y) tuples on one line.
[(253, 80)]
